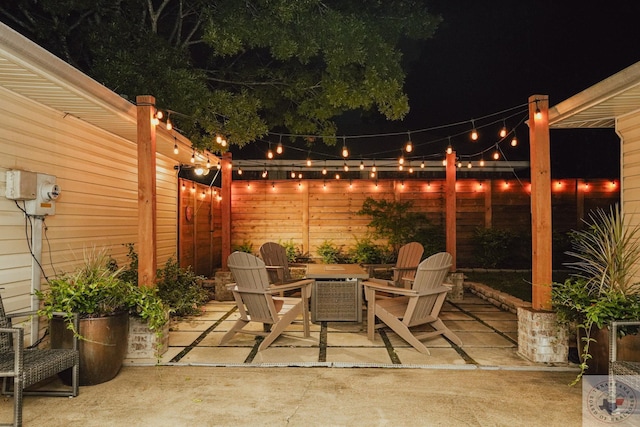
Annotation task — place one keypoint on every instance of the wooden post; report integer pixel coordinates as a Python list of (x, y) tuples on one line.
[(488, 203), (147, 259), (450, 214), (305, 217), (541, 230), (225, 208)]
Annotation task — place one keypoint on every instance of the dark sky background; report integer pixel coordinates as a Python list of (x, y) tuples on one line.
[(491, 55)]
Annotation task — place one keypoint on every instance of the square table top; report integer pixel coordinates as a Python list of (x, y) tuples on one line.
[(336, 271)]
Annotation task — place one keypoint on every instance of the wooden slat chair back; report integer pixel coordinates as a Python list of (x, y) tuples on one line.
[(254, 296), (409, 257), (26, 367), (419, 305), (274, 256)]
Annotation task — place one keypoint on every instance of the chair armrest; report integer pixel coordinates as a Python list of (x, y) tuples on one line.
[(22, 314), (438, 290), (289, 286), (404, 268), (390, 289), (613, 335)]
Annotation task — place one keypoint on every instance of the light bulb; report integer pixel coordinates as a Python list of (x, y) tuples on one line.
[(239, 171), (469, 165), (300, 175), (324, 171), (218, 165), (474, 135), (361, 165), (503, 132), (345, 151), (218, 139), (481, 162), (159, 114), (346, 167), (223, 142), (373, 174), (409, 147), (155, 121), (208, 163), (514, 142), (308, 162), (293, 174), (496, 155), (538, 115), (449, 149), (401, 160), (264, 173), (193, 157), (169, 125), (337, 176), (374, 169), (269, 154), (279, 148), (422, 165), (175, 149), (199, 170)]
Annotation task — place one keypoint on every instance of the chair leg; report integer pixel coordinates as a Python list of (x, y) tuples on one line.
[(401, 329), (236, 327), (438, 325), (17, 400), (280, 326)]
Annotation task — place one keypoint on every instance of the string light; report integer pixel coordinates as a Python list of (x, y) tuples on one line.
[(279, 148), (265, 173), (239, 171), (324, 168), (193, 156), (514, 140), (374, 169), (361, 165), (503, 131), (409, 147), (346, 167), (345, 150), (496, 155), (481, 163), (474, 131), (169, 124), (538, 113), (308, 162), (175, 145), (449, 147), (293, 173), (208, 162), (469, 166), (269, 152), (422, 165), (218, 165), (401, 160)]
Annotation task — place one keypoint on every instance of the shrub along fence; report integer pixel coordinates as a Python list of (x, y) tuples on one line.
[(493, 216)]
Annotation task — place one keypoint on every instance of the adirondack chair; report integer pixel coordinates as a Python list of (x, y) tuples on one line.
[(274, 256), (419, 305), (409, 257), (27, 367), (257, 303)]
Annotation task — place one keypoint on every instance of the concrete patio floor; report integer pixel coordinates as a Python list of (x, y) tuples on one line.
[(489, 337), (340, 379)]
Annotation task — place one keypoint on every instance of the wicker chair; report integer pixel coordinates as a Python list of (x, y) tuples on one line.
[(27, 367)]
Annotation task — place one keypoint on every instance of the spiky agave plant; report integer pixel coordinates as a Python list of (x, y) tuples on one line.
[(603, 287)]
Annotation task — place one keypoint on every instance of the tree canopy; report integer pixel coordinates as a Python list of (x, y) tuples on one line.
[(237, 68)]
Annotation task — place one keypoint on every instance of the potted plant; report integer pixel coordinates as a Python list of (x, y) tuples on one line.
[(603, 289), (103, 302)]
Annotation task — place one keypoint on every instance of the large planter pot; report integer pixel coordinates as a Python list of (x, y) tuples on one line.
[(628, 348), (103, 346)]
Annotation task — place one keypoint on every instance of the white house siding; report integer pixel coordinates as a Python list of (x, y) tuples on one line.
[(628, 127), (97, 174)]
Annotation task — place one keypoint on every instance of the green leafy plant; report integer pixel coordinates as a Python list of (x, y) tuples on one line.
[(246, 246), (607, 254), (294, 253), (365, 251), (181, 289), (96, 289), (493, 246), (330, 253)]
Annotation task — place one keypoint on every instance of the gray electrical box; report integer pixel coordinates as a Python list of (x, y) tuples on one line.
[(21, 185)]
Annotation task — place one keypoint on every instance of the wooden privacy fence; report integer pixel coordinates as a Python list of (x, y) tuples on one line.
[(309, 212)]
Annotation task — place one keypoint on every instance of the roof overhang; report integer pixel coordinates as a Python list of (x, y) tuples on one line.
[(32, 72), (600, 105)]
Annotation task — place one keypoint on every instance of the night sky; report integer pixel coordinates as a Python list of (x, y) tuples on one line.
[(491, 55)]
